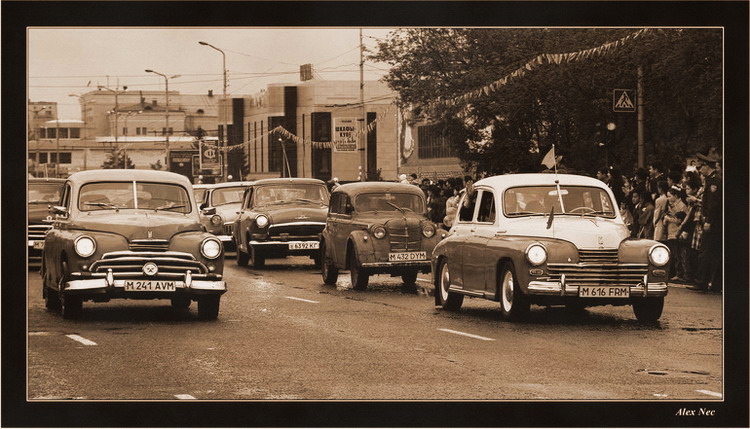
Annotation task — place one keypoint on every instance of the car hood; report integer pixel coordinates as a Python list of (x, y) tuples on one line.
[(304, 213), (37, 212), (585, 233), (228, 212), (138, 224), (380, 218)]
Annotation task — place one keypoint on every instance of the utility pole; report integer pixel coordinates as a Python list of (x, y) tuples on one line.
[(116, 92), (223, 112), (57, 138), (641, 120), (363, 127), (166, 94)]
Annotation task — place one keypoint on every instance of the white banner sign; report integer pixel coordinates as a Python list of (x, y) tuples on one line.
[(345, 131)]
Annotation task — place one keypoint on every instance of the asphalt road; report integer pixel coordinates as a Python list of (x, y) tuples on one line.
[(284, 335)]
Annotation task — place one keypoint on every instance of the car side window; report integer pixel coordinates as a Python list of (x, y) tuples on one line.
[(248, 197), (333, 207), (487, 210), (466, 211)]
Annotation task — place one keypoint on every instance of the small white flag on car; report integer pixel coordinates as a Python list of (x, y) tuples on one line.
[(549, 159)]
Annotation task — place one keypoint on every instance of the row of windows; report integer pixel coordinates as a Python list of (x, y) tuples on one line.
[(65, 133), (51, 157), (143, 131)]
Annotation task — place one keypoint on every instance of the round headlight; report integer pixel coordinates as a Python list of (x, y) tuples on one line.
[(211, 248), (261, 221), (378, 232), (659, 255), (428, 230), (216, 220), (536, 254), (85, 246)]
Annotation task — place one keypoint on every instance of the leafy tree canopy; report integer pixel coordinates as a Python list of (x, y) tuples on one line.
[(569, 103)]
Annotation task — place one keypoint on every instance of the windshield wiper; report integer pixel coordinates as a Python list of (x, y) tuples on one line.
[(170, 207), (107, 205), (527, 213), (402, 210), (306, 200)]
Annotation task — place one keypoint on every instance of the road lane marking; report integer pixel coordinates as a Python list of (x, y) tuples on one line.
[(184, 396), (710, 393), (81, 340), (478, 337), (301, 299)]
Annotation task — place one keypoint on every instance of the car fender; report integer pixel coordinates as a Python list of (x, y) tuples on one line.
[(356, 242)]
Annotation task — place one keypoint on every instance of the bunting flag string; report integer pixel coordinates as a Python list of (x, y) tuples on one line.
[(568, 57), (280, 130)]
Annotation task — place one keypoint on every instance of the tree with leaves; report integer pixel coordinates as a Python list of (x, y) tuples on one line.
[(115, 159), (566, 103)]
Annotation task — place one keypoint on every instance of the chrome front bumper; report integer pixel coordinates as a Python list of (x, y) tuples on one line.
[(105, 285), (418, 264), (652, 290)]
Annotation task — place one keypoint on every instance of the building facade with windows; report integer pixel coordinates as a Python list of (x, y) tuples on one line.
[(323, 120), (427, 151)]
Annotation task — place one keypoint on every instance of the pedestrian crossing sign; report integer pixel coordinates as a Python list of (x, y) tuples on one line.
[(623, 100)]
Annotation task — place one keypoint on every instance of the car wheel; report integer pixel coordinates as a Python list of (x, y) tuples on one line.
[(51, 299), (242, 257), (359, 276), (181, 302), (328, 269), (208, 307), (648, 310), (410, 277), (257, 259), (72, 306), (514, 304), (448, 300), (317, 260)]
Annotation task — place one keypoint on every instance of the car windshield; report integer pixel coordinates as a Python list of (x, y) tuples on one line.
[(222, 196), (44, 193), (540, 200), (200, 194), (286, 193), (389, 202), (145, 195)]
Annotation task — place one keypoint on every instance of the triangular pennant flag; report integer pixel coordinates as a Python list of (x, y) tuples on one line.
[(549, 159)]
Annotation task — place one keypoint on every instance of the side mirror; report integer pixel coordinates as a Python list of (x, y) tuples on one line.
[(202, 206), (59, 210), (209, 211)]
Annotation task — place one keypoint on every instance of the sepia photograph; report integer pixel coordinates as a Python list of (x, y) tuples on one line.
[(313, 221)]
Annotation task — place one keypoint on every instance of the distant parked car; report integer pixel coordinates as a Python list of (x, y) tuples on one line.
[(375, 228), (43, 193), (521, 239), (132, 234), (220, 204), (281, 217)]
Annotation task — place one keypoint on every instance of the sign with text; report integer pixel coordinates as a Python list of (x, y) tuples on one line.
[(345, 134), (209, 155), (623, 100)]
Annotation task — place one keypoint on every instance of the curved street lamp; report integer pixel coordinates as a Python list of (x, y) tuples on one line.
[(223, 109), (166, 94)]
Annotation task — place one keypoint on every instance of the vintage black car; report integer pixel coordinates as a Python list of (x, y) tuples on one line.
[(544, 239), (130, 234), (43, 194), (219, 205), (281, 217), (377, 227)]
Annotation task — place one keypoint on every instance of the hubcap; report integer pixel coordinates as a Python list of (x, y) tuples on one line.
[(444, 282), (507, 290)]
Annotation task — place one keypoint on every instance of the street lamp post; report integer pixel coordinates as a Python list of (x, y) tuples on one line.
[(224, 153), (166, 91)]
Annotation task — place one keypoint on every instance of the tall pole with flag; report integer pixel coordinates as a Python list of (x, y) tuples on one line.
[(550, 161)]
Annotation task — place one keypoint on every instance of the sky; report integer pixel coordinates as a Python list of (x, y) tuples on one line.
[(72, 61)]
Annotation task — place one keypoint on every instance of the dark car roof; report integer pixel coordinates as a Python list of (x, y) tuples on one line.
[(357, 188), (290, 180), (130, 174)]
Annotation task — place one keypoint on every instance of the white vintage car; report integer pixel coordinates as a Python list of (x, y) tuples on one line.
[(524, 239)]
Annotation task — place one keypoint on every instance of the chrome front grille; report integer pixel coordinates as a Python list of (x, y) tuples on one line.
[(597, 256), (228, 228), (170, 264), (149, 245), (296, 231), (404, 236), (37, 232), (591, 274)]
